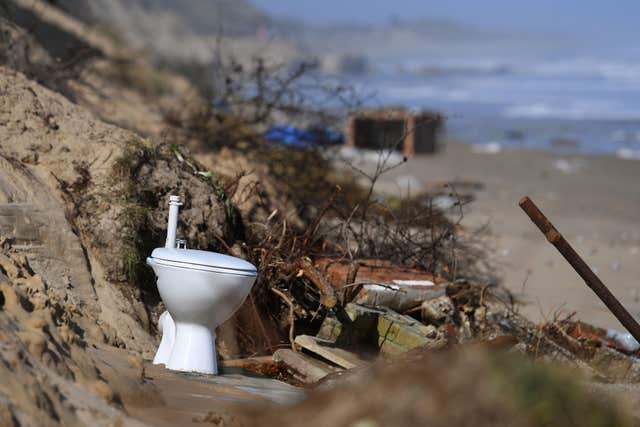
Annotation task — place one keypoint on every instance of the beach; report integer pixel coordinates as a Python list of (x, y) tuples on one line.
[(593, 200)]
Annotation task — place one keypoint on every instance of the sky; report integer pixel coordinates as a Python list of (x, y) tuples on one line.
[(592, 18)]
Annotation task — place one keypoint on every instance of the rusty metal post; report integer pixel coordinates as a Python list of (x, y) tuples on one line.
[(556, 239)]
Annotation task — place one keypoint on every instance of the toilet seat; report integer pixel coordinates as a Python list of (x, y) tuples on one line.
[(189, 266), (193, 259)]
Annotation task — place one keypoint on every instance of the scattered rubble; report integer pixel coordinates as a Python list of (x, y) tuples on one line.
[(438, 311), (303, 368), (382, 329), (466, 314)]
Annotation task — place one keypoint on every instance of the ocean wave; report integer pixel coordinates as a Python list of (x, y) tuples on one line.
[(589, 67), (408, 92), (452, 67), (608, 69), (625, 136), (419, 92), (586, 110)]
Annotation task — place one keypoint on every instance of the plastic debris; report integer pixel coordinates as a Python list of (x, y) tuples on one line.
[(292, 136), (624, 340), (488, 148), (414, 282), (568, 167)]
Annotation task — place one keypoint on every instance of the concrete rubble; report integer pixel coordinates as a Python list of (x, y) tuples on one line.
[(391, 333), (357, 335)]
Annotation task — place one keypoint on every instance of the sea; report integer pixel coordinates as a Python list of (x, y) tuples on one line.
[(582, 104)]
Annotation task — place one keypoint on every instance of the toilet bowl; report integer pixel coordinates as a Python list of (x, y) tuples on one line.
[(200, 290)]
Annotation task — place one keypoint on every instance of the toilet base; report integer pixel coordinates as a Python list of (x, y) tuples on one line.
[(194, 349), (168, 329)]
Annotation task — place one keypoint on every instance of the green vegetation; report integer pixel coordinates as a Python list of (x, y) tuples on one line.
[(206, 176), (547, 396), (140, 235), (135, 215)]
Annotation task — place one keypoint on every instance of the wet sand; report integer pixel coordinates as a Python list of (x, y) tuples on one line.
[(161, 397), (593, 201)]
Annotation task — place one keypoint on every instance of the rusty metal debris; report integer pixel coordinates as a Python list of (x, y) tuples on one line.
[(590, 278)]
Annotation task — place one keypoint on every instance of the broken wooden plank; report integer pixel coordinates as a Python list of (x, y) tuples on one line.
[(245, 363), (327, 350), (305, 368), (304, 266)]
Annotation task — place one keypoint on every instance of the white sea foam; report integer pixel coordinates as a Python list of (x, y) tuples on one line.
[(589, 67), (628, 154), (577, 110), (409, 92), (583, 67), (475, 66), (412, 92), (619, 135)]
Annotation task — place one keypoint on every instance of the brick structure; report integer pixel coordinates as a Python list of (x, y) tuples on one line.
[(405, 130)]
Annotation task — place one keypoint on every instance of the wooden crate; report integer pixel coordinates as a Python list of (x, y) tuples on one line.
[(396, 128)]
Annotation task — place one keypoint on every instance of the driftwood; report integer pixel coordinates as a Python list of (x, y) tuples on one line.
[(304, 267), (305, 368), (246, 363), (292, 318), (329, 351)]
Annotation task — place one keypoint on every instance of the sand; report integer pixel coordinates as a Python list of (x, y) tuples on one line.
[(593, 200)]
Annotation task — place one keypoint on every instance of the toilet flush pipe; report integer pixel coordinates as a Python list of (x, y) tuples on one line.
[(174, 206)]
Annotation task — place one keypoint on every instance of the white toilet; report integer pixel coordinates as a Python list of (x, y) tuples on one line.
[(200, 290), (168, 329)]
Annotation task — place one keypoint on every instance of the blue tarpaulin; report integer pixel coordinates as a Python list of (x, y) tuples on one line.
[(303, 138)]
